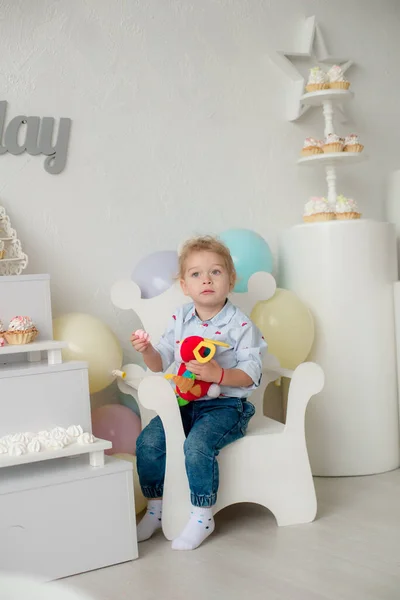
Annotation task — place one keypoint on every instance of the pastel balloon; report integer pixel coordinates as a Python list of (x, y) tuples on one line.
[(140, 500), (287, 325), (117, 424), (250, 254), (90, 340), (129, 401), (156, 273)]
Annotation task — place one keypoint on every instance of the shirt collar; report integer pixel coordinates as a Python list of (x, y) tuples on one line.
[(219, 320)]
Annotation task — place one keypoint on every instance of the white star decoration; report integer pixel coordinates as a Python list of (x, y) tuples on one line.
[(310, 44)]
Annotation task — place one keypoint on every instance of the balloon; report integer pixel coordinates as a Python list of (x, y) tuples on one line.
[(287, 325), (92, 341), (119, 425), (129, 401), (250, 254), (140, 500), (155, 273)]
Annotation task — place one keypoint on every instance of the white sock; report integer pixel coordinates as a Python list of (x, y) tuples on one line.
[(151, 520), (201, 525)]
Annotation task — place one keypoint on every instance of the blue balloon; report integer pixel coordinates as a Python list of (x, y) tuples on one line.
[(129, 401), (155, 273), (250, 254)]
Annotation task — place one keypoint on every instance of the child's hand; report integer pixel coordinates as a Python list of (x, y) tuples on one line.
[(140, 340), (210, 372)]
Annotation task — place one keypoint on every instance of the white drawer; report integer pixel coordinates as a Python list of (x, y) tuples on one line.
[(36, 396), (65, 517)]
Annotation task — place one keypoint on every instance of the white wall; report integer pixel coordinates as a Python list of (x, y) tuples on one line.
[(178, 126)]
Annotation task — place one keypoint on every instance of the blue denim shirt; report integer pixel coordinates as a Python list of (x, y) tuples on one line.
[(246, 344)]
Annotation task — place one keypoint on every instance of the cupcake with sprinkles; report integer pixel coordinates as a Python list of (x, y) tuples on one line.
[(21, 330), (317, 80), (352, 143), (333, 143), (311, 146), (346, 208), (336, 78), (318, 209)]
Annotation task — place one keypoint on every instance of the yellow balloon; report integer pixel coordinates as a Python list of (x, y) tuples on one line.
[(89, 339), (287, 325), (140, 500)]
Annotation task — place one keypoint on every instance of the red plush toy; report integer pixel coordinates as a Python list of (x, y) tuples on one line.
[(189, 388)]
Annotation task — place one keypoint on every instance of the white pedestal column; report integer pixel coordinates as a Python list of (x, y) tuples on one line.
[(392, 206), (344, 271)]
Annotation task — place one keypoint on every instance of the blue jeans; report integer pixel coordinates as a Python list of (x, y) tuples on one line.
[(209, 425)]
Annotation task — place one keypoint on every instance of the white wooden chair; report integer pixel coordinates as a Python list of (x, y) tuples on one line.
[(270, 465)]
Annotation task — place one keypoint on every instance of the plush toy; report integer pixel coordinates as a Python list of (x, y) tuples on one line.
[(189, 388)]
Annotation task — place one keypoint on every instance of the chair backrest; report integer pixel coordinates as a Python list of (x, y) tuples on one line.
[(154, 313)]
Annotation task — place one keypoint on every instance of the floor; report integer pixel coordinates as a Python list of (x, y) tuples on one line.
[(351, 552)]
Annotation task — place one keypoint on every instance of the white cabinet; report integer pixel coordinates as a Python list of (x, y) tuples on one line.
[(64, 517), (62, 510)]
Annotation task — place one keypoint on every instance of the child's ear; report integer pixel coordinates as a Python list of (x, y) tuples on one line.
[(183, 286)]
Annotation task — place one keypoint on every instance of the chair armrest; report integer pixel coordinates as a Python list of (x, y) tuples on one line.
[(133, 376), (277, 372)]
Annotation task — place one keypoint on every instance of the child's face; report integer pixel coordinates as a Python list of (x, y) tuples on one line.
[(206, 279)]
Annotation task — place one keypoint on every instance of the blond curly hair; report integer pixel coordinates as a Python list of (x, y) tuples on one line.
[(207, 243)]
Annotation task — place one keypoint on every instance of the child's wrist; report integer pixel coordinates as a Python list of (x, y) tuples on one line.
[(148, 351)]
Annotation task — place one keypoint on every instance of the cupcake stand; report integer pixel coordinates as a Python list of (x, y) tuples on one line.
[(66, 508), (344, 271), (12, 260)]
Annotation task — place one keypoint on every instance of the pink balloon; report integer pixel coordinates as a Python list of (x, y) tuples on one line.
[(119, 425)]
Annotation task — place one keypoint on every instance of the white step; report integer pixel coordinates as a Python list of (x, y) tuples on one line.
[(95, 451), (63, 517), (35, 349), (38, 396)]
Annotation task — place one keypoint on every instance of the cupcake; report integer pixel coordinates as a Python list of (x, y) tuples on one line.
[(317, 80), (2, 251), (352, 143), (311, 146), (333, 143), (346, 208), (336, 79), (2, 332), (21, 330), (318, 209)]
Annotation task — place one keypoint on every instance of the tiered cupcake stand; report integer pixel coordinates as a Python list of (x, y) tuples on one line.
[(63, 510), (12, 259), (344, 271), (327, 100)]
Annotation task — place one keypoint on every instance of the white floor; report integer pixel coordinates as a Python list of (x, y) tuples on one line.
[(351, 552)]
